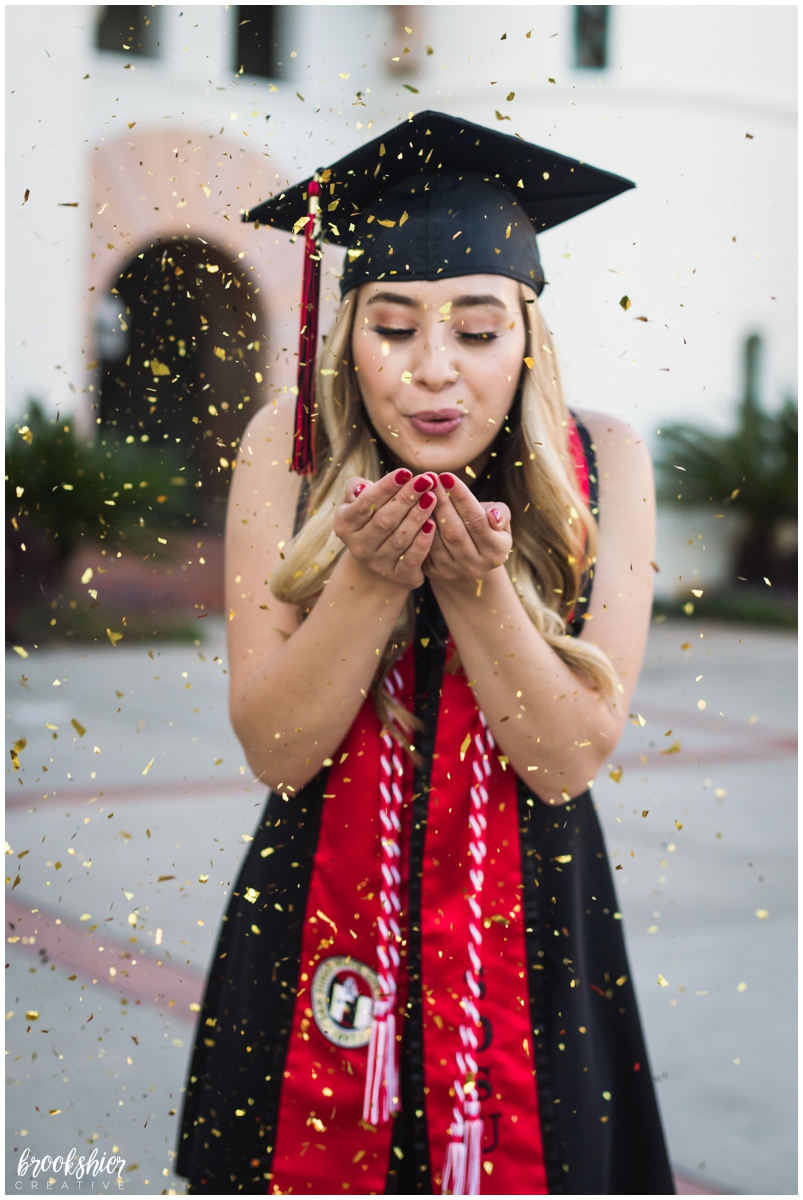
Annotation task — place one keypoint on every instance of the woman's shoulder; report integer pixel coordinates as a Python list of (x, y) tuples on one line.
[(613, 440), (263, 479), (622, 458), (261, 512), (272, 427)]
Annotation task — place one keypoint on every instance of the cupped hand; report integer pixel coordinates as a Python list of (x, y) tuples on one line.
[(471, 538), (387, 525)]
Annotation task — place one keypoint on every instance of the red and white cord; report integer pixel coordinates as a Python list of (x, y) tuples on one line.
[(461, 1172), (382, 1080)]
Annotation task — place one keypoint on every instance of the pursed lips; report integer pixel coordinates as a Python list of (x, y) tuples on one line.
[(437, 422)]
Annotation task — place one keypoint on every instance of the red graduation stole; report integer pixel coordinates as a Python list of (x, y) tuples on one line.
[(323, 1146)]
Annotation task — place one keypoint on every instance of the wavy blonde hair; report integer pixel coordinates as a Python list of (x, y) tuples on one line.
[(554, 533)]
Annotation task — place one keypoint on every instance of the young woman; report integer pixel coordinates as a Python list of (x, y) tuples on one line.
[(421, 983)]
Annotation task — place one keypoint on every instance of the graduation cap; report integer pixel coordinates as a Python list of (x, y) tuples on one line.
[(435, 197)]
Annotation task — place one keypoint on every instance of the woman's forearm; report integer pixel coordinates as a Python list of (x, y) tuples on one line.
[(294, 708), (552, 727)]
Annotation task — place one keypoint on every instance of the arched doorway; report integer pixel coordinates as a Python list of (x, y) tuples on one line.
[(179, 348)]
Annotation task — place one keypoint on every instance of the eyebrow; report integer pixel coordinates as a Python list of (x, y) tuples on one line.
[(467, 301)]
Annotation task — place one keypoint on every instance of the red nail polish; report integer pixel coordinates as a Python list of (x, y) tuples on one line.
[(433, 477), (448, 480), (359, 488), (402, 476), (426, 501), (427, 527), (422, 484), (497, 516)]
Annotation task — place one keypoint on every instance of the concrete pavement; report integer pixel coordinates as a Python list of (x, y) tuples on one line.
[(132, 807)]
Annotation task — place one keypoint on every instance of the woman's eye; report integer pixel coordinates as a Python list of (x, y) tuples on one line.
[(386, 332), (478, 337)]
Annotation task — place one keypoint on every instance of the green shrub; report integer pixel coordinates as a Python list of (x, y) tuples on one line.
[(62, 487), (754, 468)]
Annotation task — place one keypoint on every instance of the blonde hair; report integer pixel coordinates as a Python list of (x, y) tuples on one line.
[(554, 534)]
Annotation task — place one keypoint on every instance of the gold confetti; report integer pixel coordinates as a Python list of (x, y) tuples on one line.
[(529, 361), (465, 746), (78, 727), (406, 377), (20, 650), (616, 774), (148, 767), (762, 913), (114, 638), (662, 982), (625, 302)]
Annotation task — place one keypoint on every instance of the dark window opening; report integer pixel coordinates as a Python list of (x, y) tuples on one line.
[(258, 51), (127, 29), (591, 35)]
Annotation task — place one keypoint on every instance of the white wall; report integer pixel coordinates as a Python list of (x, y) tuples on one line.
[(685, 84)]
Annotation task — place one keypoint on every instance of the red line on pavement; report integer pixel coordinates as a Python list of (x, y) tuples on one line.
[(133, 791), (725, 752), (140, 974), (166, 987), (686, 1186)]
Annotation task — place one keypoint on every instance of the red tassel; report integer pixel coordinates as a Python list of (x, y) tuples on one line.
[(303, 447)]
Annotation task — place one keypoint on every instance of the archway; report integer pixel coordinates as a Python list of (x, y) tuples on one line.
[(179, 346)]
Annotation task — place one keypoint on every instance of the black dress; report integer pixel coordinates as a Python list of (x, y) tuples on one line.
[(599, 1120)]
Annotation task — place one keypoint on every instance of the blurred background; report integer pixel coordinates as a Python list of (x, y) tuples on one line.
[(145, 325)]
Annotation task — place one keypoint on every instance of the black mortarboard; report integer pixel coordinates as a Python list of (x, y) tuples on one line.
[(435, 197)]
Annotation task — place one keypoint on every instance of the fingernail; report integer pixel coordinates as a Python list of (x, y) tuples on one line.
[(497, 516), (448, 480), (426, 501), (422, 484), (433, 477), (402, 476), (427, 527), (359, 488)]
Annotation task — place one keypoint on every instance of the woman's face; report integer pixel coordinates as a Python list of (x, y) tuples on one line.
[(438, 365)]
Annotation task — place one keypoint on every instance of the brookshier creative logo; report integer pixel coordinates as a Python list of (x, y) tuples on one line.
[(94, 1169), (343, 994)]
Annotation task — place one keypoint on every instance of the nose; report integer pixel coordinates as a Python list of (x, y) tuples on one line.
[(434, 368)]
